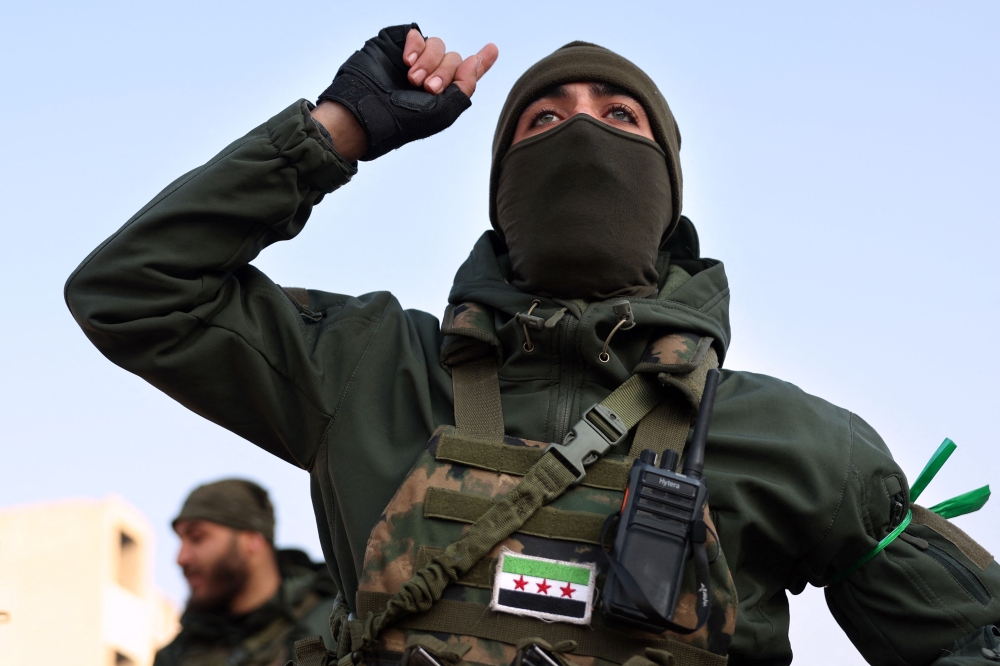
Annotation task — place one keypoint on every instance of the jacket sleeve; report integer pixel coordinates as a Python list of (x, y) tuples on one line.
[(172, 298), (931, 596)]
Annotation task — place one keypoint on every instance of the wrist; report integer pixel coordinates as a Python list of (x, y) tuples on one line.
[(348, 137)]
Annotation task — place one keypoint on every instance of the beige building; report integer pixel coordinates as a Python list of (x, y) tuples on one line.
[(76, 586)]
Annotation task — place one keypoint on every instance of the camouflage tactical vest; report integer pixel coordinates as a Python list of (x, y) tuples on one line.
[(461, 474)]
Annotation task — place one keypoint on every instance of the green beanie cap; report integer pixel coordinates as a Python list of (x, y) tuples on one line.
[(235, 503), (582, 61)]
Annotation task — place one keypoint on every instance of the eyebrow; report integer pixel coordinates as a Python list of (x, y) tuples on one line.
[(597, 89)]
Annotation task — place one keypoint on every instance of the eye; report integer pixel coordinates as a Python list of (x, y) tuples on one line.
[(622, 114), (544, 118)]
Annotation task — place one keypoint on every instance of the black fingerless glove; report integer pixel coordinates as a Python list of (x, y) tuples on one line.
[(373, 85)]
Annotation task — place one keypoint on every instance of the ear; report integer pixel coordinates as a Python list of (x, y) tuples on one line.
[(252, 543)]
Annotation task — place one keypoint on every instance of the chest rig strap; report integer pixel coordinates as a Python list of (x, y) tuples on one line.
[(562, 466), (471, 350), (681, 362)]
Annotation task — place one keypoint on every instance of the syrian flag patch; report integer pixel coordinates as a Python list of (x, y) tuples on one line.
[(550, 590)]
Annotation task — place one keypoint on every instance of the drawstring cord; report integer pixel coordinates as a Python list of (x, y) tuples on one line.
[(604, 356), (623, 311), (526, 320)]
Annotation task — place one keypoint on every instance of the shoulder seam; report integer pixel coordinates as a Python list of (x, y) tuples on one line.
[(361, 359), (843, 489)]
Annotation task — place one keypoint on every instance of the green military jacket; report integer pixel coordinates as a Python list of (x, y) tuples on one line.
[(265, 636), (351, 388)]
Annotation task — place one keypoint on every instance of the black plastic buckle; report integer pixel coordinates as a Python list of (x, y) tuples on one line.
[(592, 436), (536, 655), (421, 657)]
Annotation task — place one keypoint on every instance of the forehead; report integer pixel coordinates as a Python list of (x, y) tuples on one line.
[(191, 525), (595, 88)]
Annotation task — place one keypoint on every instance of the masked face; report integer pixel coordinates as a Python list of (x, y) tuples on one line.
[(583, 207)]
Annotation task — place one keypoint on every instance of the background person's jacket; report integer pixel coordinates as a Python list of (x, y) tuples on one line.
[(351, 388), (266, 635)]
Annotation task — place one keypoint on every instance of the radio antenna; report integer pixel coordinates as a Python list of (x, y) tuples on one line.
[(694, 463)]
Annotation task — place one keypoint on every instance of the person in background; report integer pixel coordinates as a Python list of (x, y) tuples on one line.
[(249, 602)]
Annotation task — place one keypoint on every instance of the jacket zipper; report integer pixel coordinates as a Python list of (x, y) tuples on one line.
[(897, 505), (968, 580), (568, 375)]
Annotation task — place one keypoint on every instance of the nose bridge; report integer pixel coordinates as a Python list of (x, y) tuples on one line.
[(584, 101), (184, 552)]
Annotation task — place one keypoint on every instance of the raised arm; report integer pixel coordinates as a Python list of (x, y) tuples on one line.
[(172, 298)]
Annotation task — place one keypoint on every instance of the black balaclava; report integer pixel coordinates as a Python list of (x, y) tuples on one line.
[(584, 207)]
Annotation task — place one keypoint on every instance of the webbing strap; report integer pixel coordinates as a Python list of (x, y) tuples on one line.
[(478, 410), (545, 481), (517, 460), (546, 522), (634, 399), (480, 575), (665, 428), (597, 640), (310, 651)]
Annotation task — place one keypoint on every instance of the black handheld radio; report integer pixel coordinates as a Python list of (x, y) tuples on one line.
[(659, 528)]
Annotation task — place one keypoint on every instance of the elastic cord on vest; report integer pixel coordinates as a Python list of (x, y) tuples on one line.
[(956, 506)]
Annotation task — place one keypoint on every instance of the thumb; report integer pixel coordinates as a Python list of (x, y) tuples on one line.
[(474, 67)]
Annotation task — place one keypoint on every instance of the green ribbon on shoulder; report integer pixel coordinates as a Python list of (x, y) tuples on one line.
[(956, 506)]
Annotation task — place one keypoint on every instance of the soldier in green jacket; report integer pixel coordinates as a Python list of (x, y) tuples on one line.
[(590, 279), (249, 602)]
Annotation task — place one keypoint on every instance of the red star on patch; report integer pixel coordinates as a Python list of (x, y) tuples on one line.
[(567, 591), (543, 587), (520, 583)]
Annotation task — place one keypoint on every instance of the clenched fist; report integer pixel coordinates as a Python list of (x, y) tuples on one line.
[(398, 88)]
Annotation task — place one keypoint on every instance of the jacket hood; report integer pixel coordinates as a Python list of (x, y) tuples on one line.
[(694, 294)]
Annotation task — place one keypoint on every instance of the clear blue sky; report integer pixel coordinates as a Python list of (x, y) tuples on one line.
[(841, 158)]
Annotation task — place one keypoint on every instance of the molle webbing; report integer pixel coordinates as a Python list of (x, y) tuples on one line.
[(545, 481), (477, 398), (467, 619), (546, 522), (310, 651), (517, 460), (471, 351)]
